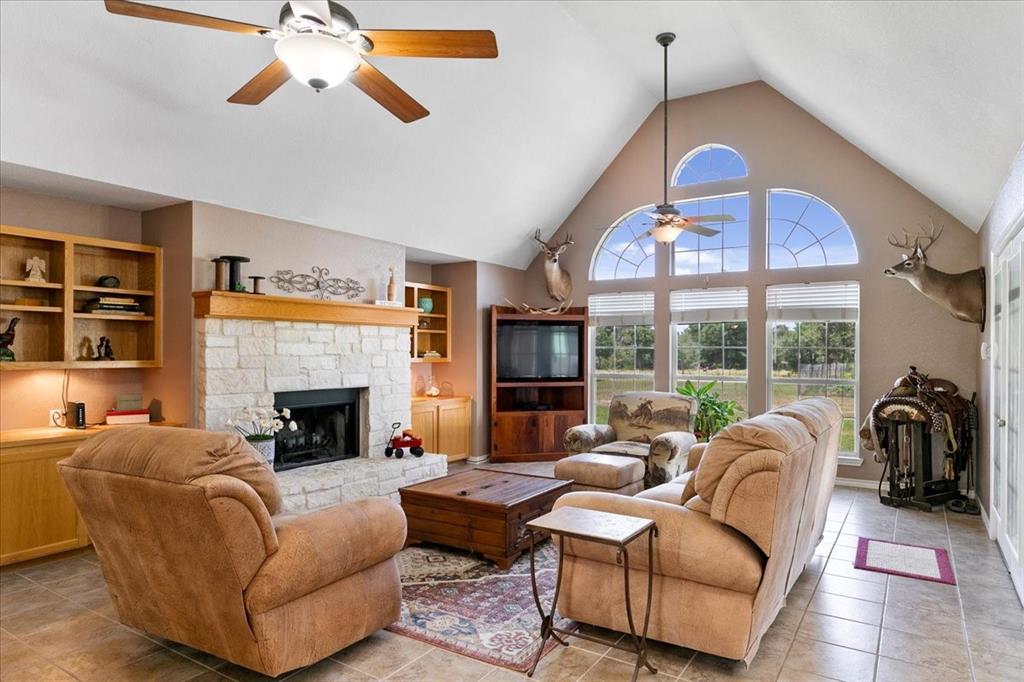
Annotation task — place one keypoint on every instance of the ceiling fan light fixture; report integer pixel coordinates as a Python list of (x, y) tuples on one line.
[(318, 60), (666, 234)]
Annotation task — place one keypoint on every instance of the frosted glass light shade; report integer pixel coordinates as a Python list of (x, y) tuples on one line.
[(317, 60), (665, 234)]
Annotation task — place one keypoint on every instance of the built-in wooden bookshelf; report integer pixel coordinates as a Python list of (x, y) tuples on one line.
[(433, 331), (55, 331)]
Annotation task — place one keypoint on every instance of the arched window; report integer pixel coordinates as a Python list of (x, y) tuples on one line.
[(726, 251), (804, 231), (625, 252), (709, 163)]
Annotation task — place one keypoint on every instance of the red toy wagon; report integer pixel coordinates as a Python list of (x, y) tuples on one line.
[(408, 439)]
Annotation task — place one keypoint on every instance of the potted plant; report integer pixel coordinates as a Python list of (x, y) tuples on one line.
[(258, 425), (713, 413)]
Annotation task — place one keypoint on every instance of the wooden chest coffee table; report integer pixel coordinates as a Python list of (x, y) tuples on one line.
[(480, 510)]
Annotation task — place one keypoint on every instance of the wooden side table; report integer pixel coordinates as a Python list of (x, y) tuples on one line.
[(604, 528)]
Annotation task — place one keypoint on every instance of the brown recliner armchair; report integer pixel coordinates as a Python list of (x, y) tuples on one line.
[(182, 522)]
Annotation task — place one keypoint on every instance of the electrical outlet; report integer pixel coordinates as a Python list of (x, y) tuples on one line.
[(57, 417)]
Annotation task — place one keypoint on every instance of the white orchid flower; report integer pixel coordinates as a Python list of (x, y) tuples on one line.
[(292, 426), (286, 413)]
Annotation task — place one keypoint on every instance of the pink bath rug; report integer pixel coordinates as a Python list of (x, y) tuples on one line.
[(909, 561)]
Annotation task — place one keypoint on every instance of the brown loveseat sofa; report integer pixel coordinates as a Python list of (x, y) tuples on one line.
[(182, 525), (734, 533)]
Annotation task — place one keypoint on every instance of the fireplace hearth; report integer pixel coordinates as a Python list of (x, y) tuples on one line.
[(328, 422)]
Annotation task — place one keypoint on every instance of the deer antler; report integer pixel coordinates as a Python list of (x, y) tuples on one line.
[(931, 235), (567, 241)]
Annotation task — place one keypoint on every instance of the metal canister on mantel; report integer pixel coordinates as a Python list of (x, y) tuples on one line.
[(220, 274)]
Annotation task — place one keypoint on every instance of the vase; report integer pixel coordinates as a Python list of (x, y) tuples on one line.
[(264, 446), (426, 304)]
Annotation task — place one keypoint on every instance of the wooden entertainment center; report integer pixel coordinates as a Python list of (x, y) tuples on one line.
[(529, 418)]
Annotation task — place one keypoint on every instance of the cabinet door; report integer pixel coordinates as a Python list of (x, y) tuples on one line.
[(515, 434), (553, 428), (37, 516), (453, 418), (424, 423)]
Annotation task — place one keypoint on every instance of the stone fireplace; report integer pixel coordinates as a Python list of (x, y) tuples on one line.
[(358, 359)]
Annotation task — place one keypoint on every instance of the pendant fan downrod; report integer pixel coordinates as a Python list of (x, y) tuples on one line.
[(665, 208)]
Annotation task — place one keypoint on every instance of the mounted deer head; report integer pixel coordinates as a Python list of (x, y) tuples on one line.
[(558, 281), (963, 294)]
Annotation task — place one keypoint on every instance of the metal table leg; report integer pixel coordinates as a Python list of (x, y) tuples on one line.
[(547, 627), (639, 642)]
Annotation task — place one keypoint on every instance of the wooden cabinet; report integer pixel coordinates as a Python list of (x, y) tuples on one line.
[(531, 435), (444, 425), (37, 516), (56, 330)]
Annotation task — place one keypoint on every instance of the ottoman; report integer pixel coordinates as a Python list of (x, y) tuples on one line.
[(607, 473)]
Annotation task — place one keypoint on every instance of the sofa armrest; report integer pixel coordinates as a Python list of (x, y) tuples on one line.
[(668, 452), (586, 437), (694, 456), (746, 496), (689, 543), (322, 547)]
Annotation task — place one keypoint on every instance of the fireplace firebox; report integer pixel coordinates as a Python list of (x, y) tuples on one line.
[(328, 427)]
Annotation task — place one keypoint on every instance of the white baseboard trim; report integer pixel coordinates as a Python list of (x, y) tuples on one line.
[(850, 461), (857, 483), (988, 526)]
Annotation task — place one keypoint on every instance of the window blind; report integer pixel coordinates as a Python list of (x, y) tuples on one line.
[(709, 305), (621, 309), (818, 301)]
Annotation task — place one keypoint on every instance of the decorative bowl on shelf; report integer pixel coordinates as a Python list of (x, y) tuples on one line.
[(426, 304)]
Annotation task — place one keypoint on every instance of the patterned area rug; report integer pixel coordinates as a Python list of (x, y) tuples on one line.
[(466, 604), (911, 561)]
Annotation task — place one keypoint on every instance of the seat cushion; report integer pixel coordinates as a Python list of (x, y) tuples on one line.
[(177, 455), (600, 471), (626, 448), (642, 415)]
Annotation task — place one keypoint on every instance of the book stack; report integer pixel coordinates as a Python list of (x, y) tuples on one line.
[(117, 305), (115, 417)]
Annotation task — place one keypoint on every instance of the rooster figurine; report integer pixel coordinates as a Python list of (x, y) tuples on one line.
[(6, 339)]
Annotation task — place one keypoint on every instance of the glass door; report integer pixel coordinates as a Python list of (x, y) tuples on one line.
[(1007, 437)]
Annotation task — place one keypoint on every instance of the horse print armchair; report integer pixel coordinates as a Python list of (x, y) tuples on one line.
[(650, 425)]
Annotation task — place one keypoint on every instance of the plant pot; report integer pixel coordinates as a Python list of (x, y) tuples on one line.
[(264, 446)]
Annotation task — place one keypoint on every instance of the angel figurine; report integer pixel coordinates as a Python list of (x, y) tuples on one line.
[(35, 267)]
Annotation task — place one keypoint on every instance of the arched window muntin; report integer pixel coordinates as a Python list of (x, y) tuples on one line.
[(804, 230), (711, 162), (623, 249)]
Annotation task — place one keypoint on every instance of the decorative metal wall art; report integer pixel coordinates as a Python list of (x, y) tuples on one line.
[(322, 286)]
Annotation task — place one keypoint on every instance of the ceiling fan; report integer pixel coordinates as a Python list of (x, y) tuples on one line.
[(667, 223), (319, 43)]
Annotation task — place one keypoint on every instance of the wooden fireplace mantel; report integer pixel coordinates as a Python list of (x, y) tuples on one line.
[(238, 306)]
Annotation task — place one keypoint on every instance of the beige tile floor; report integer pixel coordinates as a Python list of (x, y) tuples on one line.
[(56, 623)]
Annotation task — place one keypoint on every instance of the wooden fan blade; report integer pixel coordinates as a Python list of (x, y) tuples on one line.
[(465, 44), (262, 84), (701, 230), (384, 91), (709, 218), (174, 16)]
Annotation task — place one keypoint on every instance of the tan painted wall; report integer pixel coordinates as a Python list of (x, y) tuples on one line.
[(785, 147), (27, 396), (171, 229), (275, 244), (1006, 212)]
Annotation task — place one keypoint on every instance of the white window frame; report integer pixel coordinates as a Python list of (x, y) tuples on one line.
[(845, 458), (638, 310), (740, 315), (721, 249)]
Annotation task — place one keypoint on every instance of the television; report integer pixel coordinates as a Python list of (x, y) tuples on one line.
[(538, 351)]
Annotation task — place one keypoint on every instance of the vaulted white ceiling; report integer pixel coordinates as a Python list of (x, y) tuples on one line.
[(934, 91)]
